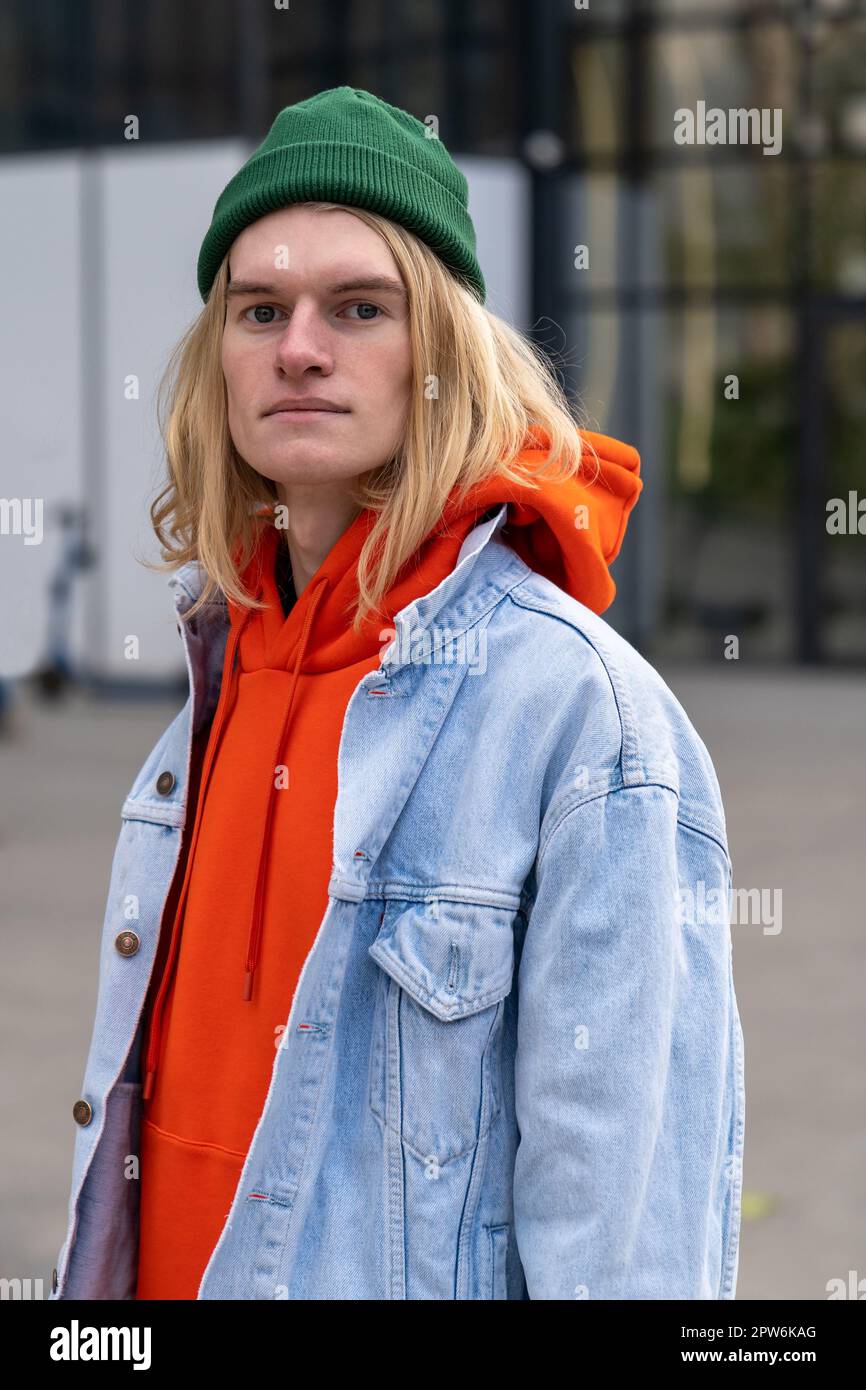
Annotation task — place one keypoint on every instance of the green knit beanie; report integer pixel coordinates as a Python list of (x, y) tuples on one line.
[(348, 146)]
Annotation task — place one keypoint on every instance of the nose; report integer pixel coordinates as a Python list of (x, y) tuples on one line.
[(303, 342)]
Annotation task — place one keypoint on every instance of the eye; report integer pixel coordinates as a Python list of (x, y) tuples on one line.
[(261, 308), (264, 313), (364, 304)]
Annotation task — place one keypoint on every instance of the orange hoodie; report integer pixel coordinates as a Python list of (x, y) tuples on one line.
[(259, 856)]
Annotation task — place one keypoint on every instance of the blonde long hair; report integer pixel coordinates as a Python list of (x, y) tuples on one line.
[(493, 388)]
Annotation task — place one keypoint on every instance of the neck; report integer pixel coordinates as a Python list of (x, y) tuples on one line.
[(316, 517)]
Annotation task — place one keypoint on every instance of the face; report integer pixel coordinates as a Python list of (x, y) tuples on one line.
[(331, 323)]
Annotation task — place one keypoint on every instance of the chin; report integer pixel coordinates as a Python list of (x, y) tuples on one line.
[(302, 465)]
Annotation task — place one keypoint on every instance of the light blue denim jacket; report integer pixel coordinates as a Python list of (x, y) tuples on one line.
[(513, 1066)]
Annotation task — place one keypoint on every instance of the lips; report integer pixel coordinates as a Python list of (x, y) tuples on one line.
[(316, 407)]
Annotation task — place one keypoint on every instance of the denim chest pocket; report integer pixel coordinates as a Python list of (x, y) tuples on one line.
[(435, 1065)]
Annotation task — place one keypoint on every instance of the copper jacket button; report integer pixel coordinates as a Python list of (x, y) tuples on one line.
[(82, 1112), (127, 942), (165, 783)]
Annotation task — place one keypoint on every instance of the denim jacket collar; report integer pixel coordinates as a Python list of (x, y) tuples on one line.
[(452, 607)]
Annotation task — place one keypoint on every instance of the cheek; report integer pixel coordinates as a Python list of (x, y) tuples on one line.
[(234, 370), (235, 395), (395, 378)]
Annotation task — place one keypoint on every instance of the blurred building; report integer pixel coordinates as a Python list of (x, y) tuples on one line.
[(703, 301)]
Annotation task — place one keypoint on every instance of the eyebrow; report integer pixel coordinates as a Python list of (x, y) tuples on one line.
[(384, 284)]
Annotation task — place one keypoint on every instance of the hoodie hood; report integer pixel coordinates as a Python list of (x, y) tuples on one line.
[(569, 532)]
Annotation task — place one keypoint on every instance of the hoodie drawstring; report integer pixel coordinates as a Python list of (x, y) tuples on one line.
[(228, 695), (255, 935)]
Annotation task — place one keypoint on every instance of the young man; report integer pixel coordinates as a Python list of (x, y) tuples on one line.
[(442, 1002)]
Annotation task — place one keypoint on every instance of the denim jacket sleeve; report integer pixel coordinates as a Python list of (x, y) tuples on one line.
[(629, 1083)]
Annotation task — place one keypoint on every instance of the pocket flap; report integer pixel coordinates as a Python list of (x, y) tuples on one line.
[(454, 958)]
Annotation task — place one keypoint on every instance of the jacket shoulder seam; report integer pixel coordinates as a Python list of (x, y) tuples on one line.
[(629, 759), (686, 818), (709, 829), (568, 807)]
